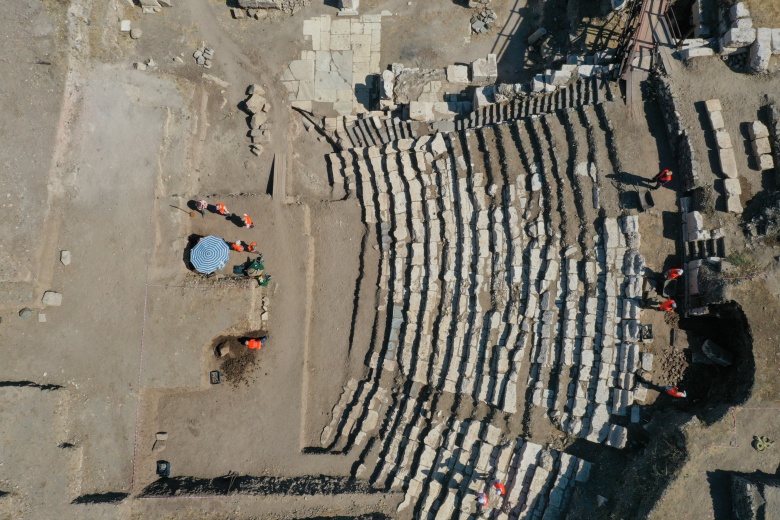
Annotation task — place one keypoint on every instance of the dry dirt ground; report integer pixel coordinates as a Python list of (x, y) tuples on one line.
[(95, 156)]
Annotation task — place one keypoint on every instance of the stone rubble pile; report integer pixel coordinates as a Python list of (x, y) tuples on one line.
[(257, 14), (485, 19), (203, 56), (259, 128)]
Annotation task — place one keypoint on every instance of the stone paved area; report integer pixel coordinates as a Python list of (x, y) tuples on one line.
[(339, 68)]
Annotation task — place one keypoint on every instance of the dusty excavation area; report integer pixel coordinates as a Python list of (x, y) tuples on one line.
[(466, 251)]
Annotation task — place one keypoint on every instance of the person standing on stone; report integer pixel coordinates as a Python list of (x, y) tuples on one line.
[(202, 206), (222, 210), (482, 500), (662, 178)]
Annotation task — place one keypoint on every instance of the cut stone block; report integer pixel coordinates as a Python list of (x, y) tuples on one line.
[(761, 51), (733, 205), (716, 120), (713, 105), (696, 52), (728, 164), (765, 162), (758, 130), (742, 23), (723, 138), (739, 10), (739, 37), (775, 41), (732, 187), (458, 74), (761, 146)]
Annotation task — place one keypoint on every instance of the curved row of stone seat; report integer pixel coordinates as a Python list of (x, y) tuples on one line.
[(362, 132), (587, 91), (578, 389), (483, 285), (461, 459)]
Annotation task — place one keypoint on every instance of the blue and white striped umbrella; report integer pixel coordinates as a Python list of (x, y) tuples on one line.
[(209, 254)]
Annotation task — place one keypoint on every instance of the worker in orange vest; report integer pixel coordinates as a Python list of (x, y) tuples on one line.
[(202, 206), (222, 210), (252, 247), (247, 221), (662, 178), (237, 246), (255, 344), (674, 392), (668, 306), (499, 487), (482, 499), (673, 274)]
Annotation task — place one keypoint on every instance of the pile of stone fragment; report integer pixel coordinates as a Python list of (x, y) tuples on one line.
[(484, 20), (257, 14), (258, 106), (203, 56)]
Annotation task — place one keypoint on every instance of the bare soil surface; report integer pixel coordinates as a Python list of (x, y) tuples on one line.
[(101, 158)]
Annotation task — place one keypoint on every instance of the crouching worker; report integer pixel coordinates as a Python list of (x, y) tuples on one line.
[(255, 344)]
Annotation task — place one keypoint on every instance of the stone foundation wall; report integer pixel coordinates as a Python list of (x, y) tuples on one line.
[(687, 166)]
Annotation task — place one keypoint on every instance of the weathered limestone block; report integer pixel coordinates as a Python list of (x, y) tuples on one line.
[(761, 50), (259, 4), (757, 130), (739, 37)]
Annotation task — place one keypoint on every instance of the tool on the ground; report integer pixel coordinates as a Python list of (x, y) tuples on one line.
[(190, 213), (761, 443)]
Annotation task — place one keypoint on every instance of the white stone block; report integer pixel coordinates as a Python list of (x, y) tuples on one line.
[(713, 105), (761, 51), (765, 162), (761, 146), (733, 205), (739, 10), (732, 187), (739, 37), (728, 163), (757, 130), (723, 138), (696, 52), (458, 74), (716, 120)]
